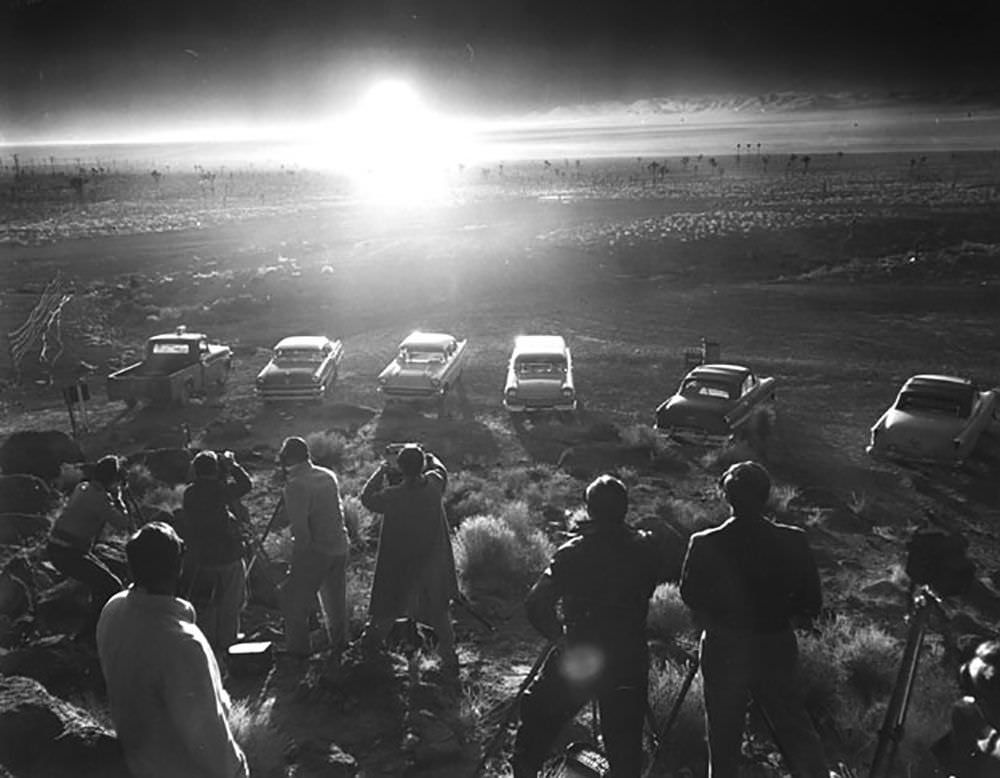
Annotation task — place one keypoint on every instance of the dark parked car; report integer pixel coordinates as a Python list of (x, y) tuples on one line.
[(303, 367), (713, 402)]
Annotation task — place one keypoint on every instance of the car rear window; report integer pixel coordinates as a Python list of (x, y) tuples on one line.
[(422, 355), (923, 402), (544, 365), (291, 355), (171, 348), (699, 387)]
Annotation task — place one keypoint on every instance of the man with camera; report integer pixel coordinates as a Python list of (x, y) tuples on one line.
[(749, 583), (214, 578), (321, 537), (591, 603), (93, 504), (415, 567)]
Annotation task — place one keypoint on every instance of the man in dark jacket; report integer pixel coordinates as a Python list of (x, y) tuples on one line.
[(415, 566), (214, 570), (603, 580), (93, 504), (749, 582)]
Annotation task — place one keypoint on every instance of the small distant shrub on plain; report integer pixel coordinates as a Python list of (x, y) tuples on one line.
[(256, 733), (689, 516), (327, 448), (493, 557), (719, 459), (782, 496), (759, 428), (470, 495)]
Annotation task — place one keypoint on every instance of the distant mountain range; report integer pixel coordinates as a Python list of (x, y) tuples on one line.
[(774, 103)]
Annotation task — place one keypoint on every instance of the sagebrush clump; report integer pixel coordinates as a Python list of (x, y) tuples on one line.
[(493, 557), (256, 733)]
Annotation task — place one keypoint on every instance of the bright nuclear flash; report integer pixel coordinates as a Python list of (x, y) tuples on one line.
[(395, 148)]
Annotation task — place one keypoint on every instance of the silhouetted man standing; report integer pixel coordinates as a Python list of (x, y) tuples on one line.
[(749, 582), (603, 580), (164, 686), (415, 568)]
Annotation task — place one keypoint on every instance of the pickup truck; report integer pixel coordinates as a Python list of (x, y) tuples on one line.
[(177, 366)]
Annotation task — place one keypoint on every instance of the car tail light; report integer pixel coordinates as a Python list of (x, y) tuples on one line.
[(511, 393), (382, 380), (316, 379), (567, 391)]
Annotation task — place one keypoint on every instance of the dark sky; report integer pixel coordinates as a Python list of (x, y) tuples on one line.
[(71, 65)]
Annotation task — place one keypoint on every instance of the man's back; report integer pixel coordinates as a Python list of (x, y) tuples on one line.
[(312, 501), (164, 688), (414, 524), (751, 573)]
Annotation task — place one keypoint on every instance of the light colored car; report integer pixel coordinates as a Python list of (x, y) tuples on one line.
[(540, 375), (302, 367), (713, 402), (427, 366), (935, 419)]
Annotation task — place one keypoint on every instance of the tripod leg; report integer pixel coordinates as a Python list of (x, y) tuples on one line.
[(675, 710)]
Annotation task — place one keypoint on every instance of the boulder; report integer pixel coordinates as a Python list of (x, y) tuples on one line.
[(172, 466), (19, 528), (63, 666), (43, 736), (63, 609), (14, 599), (28, 494), (39, 453)]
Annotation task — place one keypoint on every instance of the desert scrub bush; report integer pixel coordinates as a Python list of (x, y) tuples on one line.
[(782, 497), (327, 448), (717, 460), (140, 481), (359, 584), (759, 428), (540, 486), (164, 498), (642, 437), (254, 729), (357, 514), (669, 618), (688, 516), (492, 557), (686, 747), (847, 671), (470, 495)]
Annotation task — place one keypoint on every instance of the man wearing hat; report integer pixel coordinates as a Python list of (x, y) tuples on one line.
[(750, 582), (602, 579), (415, 567), (320, 543), (972, 748)]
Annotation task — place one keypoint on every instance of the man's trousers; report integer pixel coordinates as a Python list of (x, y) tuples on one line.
[(313, 574), (737, 665), (218, 593), (551, 701)]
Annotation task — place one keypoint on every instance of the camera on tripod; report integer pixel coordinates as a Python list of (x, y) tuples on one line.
[(939, 561), (392, 472)]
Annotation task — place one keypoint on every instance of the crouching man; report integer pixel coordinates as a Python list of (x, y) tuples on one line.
[(167, 702), (603, 579)]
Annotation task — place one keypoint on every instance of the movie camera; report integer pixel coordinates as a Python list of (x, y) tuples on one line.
[(390, 469)]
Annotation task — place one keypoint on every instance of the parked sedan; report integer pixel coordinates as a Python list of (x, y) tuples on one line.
[(427, 366), (713, 402), (302, 367), (935, 419), (540, 375)]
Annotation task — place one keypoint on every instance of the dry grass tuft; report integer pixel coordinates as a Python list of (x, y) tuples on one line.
[(782, 497), (164, 498), (669, 618), (686, 741), (719, 459), (140, 481), (327, 448), (494, 556), (254, 729)]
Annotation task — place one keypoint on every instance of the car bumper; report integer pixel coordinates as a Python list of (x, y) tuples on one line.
[(407, 393), (694, 435), (901, 457), (290, 393), (536, 406)]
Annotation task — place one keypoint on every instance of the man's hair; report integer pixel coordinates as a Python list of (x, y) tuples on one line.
[(607, 499), (108, 470), (154, 554), (205, 465), (410, 460), (294, 451), (747, 486)]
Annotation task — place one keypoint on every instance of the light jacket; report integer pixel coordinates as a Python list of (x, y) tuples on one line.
[(89, 508), (167, 701), (314, 511)]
